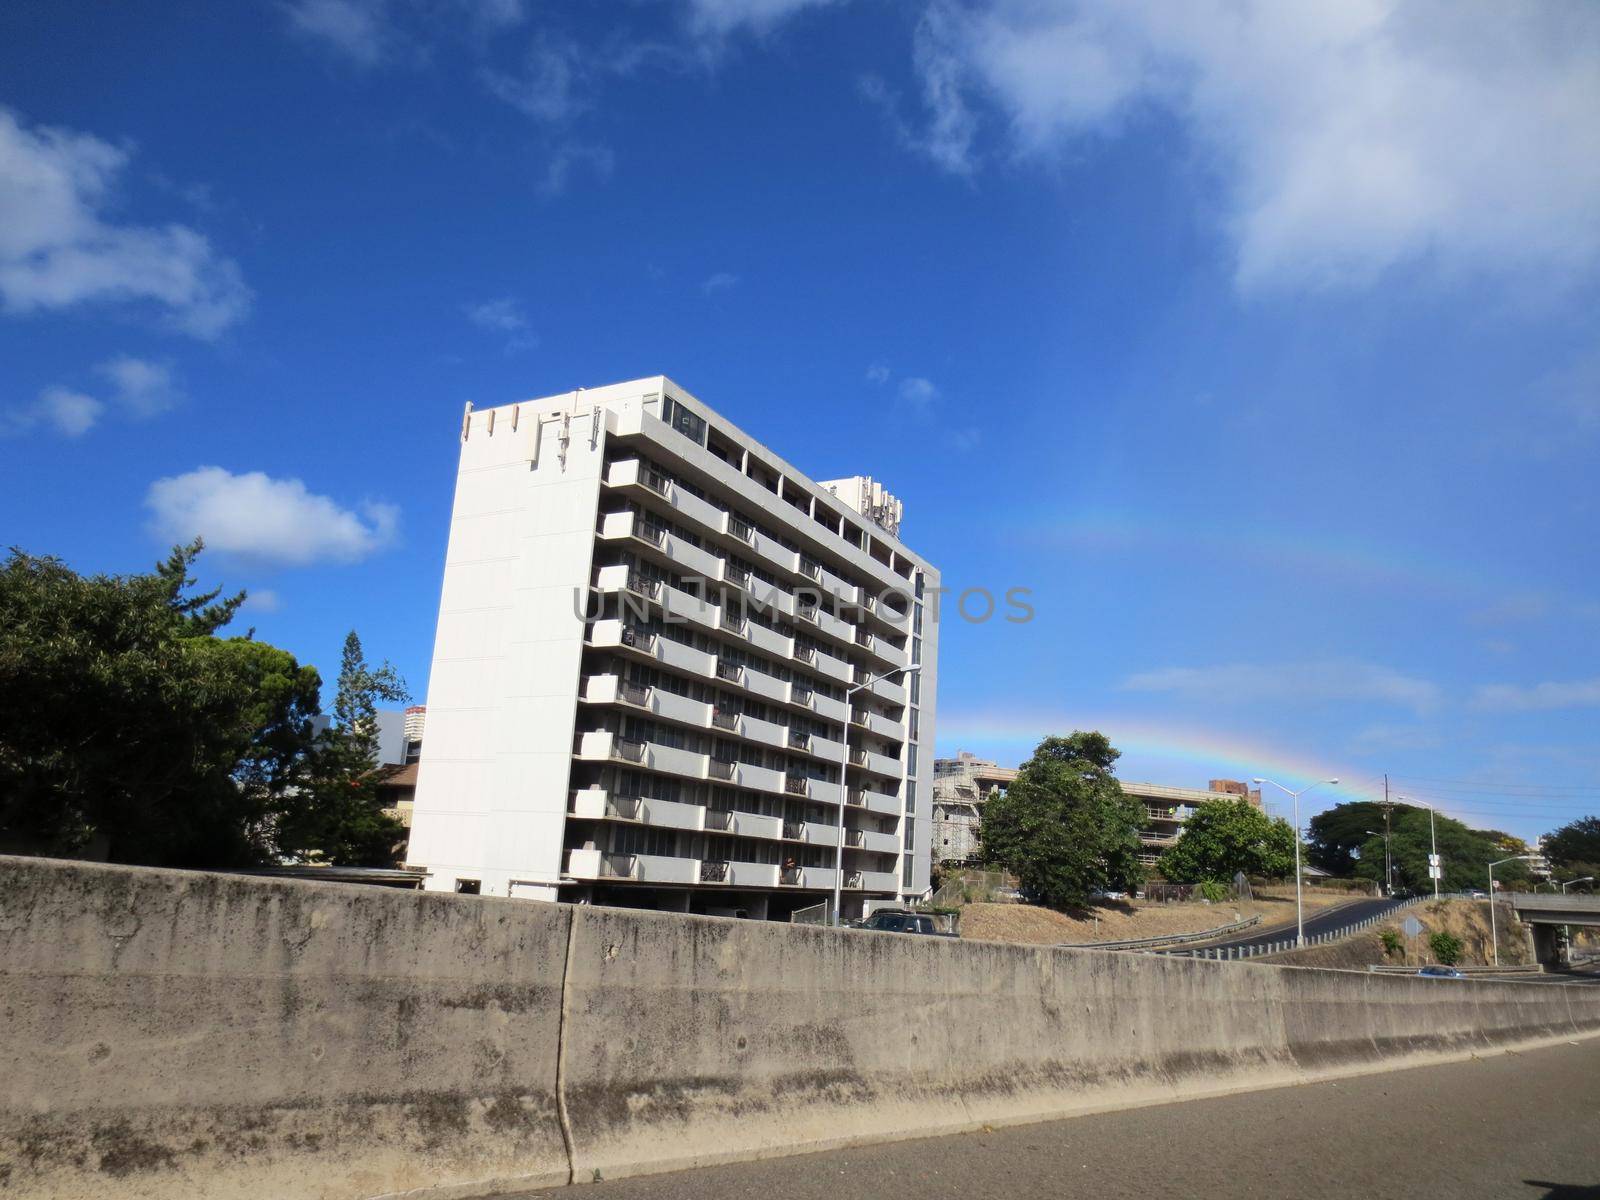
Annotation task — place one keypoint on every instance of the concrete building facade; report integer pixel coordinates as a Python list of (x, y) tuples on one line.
[(664, 658), (962, 784)]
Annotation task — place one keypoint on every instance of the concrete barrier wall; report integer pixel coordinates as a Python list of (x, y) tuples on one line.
[(173, 1034)]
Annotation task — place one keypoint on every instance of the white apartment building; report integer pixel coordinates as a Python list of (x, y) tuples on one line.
[(664, 659)]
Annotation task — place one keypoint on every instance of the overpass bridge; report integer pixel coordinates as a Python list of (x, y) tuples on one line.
[(1544, 912)]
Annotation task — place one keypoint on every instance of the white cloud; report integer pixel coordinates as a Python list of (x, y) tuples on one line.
[(69, 413), (722, 17), (1347, 138), (919, 393), (878, 373), (276, 520), (722, 281), (58, 250), (263, 600), (357, 29), (144, 388), (599, 161), (505, 316), (546, 87), (1538, 697), (1308, 682)]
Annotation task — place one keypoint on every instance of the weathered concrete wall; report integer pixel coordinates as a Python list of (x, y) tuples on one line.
[(178, 1035), (172, 1034)]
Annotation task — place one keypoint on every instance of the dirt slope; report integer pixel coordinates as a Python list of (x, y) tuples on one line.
[(1117, 921)]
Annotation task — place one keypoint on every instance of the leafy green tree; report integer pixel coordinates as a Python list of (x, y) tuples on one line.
[(1574, 849), (1065, 827), (340, 816), (1223, 837), (1339, 843), (131, 732)]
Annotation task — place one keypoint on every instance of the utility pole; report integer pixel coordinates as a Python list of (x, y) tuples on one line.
[(1388, 858)]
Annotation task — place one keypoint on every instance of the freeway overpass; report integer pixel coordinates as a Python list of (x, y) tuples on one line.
[(1549, 910)]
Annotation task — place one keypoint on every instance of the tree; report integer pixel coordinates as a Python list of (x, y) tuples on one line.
[(1065, 827), (340, 816), (132, 732), (1223, 837), (1339, 843), (1574, 849)]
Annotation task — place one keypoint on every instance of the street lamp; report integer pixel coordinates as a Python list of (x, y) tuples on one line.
[(1299, 912), (1494, 932), (1435, 865), (1570, 882), (844, 783)]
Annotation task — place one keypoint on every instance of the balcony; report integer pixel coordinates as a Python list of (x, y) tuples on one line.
[(794, 831), (637, 637), (633, 693), (853, 880), (798, 740), (797, 785), (720, 768), (811, 569), (737, 527), (719, 820), (732, 622), (627, 750), (799, 693), (805, 654), (856, 798), (858, 716), (730, 671), (792, 877), (713, 872), (855, 839), (722, 719)]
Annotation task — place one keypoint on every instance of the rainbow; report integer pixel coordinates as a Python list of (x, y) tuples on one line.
[(1349, 559), (1181, 756)]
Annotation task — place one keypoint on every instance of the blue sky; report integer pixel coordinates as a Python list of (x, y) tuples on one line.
[(1257, 340)]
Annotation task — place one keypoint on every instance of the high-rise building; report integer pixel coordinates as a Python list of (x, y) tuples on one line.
[(667, 662)]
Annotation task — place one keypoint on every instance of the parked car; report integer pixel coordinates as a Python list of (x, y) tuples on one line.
[(1440, 972), (902, 922), (1477, 895)]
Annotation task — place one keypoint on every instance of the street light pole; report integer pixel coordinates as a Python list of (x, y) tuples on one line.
[(844, 785), (1494, 932), (1570, 882), (1299, 910), (1435, 865)]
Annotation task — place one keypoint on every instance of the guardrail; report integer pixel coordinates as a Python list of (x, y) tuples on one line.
[(1177, 939), (1284, 945), (1519, 969)]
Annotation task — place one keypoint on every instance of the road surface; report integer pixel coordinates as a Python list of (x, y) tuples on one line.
[(1324, 921), (1524, 1126)]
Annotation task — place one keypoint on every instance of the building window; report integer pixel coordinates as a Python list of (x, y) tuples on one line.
[(685, 422)]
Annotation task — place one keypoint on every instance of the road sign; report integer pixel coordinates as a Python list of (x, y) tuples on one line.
[(1435, 872), (1411, 926), (1433, 860)]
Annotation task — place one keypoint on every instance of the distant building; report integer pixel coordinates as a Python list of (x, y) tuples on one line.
[(1167, 808), (962, 784)]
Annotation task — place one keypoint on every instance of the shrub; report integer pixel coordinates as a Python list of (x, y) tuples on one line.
[(1213, 890), (1446, 947), (1391, 941)]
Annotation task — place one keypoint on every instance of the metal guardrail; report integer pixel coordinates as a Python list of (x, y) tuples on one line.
[(1176, 939), (1518, 969), (1286, 944)]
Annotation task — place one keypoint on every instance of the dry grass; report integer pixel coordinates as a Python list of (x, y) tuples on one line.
[(1116, 921)]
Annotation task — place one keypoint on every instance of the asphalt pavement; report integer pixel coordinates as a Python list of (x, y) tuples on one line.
[(1320, 921), (1523, 1126)]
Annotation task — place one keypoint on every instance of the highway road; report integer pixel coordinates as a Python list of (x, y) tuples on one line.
[(1524, 1126), (1320, 921)]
